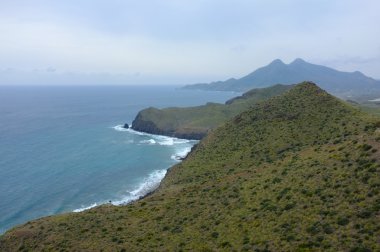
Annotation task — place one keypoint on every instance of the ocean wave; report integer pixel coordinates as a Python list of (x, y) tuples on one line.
[(119, 128), (159, 139), (130, 130), (162, 140), (181, 154), (85, 208), (148, 185), (150, 141), (183, 141)]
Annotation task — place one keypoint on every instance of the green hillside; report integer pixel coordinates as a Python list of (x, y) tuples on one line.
[(195, 122), (298, 172)]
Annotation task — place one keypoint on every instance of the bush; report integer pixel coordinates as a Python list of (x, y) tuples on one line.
[(225, 244), (360, 249), (343, 221), (364, 214), (366, 147), (328, 229), (215, 235)]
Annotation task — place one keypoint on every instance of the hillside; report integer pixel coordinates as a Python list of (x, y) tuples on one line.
[(298, 172), (195, 122), (337, 82)]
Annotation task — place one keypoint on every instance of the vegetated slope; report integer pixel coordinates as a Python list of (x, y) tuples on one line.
[(299, 172), (195, 122), (337, 82)]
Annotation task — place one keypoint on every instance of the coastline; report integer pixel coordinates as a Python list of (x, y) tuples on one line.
[(147, 186), (150, 127)]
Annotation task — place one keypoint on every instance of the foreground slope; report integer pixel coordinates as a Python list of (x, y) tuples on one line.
[(337, 82), (195, 122), (299, 172)]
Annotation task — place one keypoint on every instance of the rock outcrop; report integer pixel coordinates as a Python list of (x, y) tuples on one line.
[(140, 123)]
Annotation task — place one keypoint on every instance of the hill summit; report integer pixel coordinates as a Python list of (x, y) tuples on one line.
[(297, 172), (277, 72)]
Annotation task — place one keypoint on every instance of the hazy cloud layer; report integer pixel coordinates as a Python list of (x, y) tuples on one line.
[(180, 42)]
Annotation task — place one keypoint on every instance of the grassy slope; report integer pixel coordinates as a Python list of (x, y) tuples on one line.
[(299, 172), (200, 119)]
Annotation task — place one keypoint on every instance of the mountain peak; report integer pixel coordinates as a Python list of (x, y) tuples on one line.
[(298, 61), (277, 62)]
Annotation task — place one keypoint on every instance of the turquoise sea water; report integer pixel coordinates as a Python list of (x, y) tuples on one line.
[(62, 148)]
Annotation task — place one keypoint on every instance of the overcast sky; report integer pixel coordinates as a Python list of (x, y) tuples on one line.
[(180, 41)]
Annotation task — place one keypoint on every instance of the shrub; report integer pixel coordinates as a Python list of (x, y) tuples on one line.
[(225, 244), (215, 235), (364, 214), (343, 221), (328, 229)]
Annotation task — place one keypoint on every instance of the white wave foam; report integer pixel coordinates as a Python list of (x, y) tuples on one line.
[(85, 208), (181, 141), (181, 154), (166, 141), (120, 128), (148, 185), (160, 139), (150, 141)]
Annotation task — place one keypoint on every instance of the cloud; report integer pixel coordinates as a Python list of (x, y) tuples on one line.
[(185, 40), (51, 69)]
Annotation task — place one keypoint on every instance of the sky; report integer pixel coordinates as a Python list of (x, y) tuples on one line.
[(132, 42)]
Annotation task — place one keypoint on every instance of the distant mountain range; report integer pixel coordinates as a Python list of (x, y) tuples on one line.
[(337, 82)]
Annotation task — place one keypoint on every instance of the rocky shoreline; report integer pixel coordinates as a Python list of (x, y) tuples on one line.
[(148, 126)]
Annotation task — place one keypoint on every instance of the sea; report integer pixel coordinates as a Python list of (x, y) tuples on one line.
[(63, 148)]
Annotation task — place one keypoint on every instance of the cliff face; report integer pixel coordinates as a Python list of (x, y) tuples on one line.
[(144, 123), (148, 126), (298, 172)]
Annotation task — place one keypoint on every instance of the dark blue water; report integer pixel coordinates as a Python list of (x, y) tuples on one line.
[(61, 149)]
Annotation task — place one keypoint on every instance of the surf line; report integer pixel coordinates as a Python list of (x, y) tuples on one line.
[(153, 180)]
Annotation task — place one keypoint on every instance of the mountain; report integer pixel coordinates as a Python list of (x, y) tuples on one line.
[(195, 122), (334, 81), (297, 172)]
